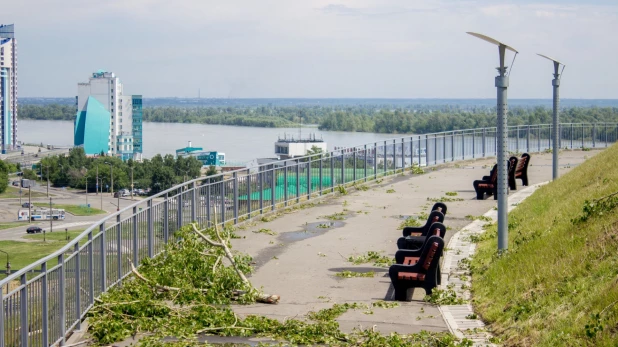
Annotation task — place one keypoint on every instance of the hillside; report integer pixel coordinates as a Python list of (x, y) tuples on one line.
[(558, 283)]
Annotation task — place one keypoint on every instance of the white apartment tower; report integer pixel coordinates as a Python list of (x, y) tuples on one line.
[(100, 101), (8, 88)]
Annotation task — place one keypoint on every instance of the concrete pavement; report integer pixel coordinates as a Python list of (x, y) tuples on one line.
[(301, 261)]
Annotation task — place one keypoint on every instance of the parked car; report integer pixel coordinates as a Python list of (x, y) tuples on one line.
[(15, 183), (34, 230), (27, 205)]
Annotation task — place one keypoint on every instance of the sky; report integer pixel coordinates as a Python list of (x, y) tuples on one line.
[(314, 48)]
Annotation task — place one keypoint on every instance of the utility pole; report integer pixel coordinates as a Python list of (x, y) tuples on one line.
[(86, 190), (29, 204), (101, 194), (131, 183), (50, 219), (96, 188), (48, 181), (112, 178)]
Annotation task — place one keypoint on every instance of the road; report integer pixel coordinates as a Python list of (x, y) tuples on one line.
[(10, 207)]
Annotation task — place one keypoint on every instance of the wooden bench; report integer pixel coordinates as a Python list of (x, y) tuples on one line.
[(521, 171), (489, 184), (423, 273), (434, 216), (416, 241)]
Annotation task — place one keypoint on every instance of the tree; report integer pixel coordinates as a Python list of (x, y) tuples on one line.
[(29, 174), (162, 179), (4, 176)]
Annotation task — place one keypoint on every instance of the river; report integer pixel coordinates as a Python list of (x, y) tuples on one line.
[(240, 144)]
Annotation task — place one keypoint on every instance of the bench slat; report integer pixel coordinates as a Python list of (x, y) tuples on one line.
[(415, 276), (410, 260)]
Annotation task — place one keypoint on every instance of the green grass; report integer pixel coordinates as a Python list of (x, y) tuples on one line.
[(558, 283), (78, 210), (10, 225), (22, 254), (13, 193)]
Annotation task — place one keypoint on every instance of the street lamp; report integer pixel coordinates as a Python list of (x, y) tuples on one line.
[(111, 168), (86, 176), (47, 166), (101, 181), (556, 124), (502, 83)]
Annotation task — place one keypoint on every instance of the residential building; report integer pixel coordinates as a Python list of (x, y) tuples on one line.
[(8, 88), (107, 120)]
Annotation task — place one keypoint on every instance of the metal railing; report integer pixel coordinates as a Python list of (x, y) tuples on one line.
[(43, 307)]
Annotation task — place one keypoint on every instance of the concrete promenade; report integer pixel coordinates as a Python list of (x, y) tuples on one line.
[(300, 262)]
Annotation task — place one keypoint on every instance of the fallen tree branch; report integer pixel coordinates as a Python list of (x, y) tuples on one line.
[(263, 298), (158, 286)]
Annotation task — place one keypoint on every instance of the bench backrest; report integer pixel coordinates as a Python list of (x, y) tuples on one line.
[(430, 256), (513, 164), (434, 217), (440, 207), (493, 175), (523, 162)]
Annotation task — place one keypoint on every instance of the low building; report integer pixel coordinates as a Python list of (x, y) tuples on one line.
[(208, 158), (289, 147)]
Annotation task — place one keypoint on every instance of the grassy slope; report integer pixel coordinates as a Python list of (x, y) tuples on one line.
[(556, 274), (25, 253)]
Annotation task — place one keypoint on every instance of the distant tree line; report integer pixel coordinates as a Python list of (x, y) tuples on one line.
[(75, 170), (416, 119)]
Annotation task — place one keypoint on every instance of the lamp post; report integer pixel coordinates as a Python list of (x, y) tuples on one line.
[(111, 168), (100, 180), (62, 174), (131, 183), (8, 263), (51, 219), (502, 83), (556, 120), (47, 166)]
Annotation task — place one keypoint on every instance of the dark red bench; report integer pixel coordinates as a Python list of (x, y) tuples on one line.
[(489, 184), (417, 241), (422, 273), (434, 216), (521, 171)]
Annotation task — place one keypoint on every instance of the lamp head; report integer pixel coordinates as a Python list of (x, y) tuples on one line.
[(492, 41)]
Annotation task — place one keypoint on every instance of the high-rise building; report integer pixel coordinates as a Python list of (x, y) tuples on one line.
[(8, 87), (107, 121)]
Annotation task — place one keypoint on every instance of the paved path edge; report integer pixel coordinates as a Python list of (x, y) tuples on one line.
[(460, 247)]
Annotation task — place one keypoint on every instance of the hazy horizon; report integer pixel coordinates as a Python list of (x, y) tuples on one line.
[(394, 49)]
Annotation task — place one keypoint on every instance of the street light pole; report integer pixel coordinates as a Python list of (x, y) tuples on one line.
[(29, 203), (48, 181), (502, 84), (101, 179), (556, 117), (131, 183), (50, 219), (112, 178)]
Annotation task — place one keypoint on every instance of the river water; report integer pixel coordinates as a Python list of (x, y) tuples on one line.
[(240, 144)]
